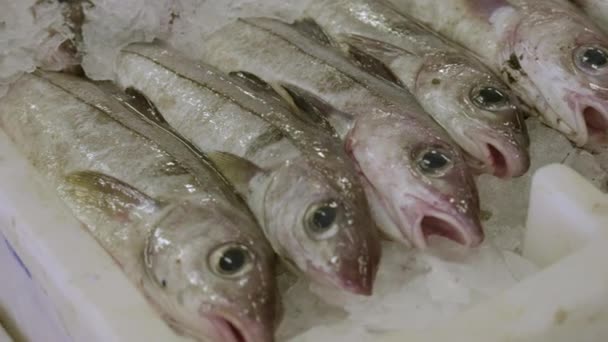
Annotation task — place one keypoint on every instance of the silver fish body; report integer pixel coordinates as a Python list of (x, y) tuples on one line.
[(298, 182), (547, 51), (417, 182), (183, 237), (474, 106), (597, 10)]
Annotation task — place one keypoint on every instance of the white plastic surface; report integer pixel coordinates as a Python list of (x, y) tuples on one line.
[(566, 212), (60, 284)]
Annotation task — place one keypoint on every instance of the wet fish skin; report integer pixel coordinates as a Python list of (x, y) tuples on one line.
[(287, 171), (445, 80), (545, 50), (387, 139), (596, 9), (165, 225)]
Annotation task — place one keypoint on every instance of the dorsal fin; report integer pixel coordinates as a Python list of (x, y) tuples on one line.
[(310, 28), (239, 171), (316, 111), (371, 55)]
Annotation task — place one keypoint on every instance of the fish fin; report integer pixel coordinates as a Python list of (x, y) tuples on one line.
[(114, 197), (310, 28), (315, 111), (270, 136), (143, 105), (239, 171), (373, 56), (134, 100), (257, 84)]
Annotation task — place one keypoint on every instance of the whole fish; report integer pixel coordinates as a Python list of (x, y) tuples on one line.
[(298, 182), (547, 51), (596, 9), (175, 227), (417, 182), (474, 106)]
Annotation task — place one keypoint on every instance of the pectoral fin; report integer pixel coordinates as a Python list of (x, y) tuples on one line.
[(112, 196), (239, 171)]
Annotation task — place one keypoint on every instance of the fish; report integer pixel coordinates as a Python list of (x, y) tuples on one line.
[(549, 53), (596, 10), (417, 181), (297, 180), (178, 230), (468, 100)]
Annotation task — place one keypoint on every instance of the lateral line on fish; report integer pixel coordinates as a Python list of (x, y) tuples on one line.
[(349, 71), (201, 158), (304, 147), (206, 86)]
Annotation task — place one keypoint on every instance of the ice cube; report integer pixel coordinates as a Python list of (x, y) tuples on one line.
[(112, 24), (31, 35)]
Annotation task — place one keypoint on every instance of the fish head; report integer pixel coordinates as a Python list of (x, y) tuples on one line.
[(321, 226), (420, 179), (212, 271), (567, 58), (478, 110)]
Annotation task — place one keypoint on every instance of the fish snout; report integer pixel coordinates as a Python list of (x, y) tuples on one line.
[(357, 275), (590, 117), (505, 155)]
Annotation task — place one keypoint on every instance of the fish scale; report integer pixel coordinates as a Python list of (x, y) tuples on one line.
[(290, 173), (442, 77), (538, 47), (384, 130), (166, 230)]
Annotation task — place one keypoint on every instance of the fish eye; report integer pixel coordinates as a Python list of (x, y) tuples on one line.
[(434, 161), (489, 98), (231, 260), (320, 220), (591, 59)]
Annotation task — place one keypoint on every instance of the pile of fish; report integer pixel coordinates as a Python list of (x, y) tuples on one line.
[(303, 144)]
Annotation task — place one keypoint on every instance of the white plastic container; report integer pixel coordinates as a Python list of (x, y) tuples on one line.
[(71, 290)]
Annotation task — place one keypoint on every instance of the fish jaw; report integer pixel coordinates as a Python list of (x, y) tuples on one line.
[(347, 256), (544, 45), (496, 136), (227, 327), (503, 155), (418, 206), (425, 220)]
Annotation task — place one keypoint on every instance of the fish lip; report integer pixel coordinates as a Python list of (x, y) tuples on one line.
[(503, 159), (587, 108), (361, 284), (231, 329), (468, 234)]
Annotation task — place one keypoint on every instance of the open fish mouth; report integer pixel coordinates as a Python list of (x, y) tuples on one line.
[(595, 120), (437, 223), (590, 118), (500, 157), (229, 330)]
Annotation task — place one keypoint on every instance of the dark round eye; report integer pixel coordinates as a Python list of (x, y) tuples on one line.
[(490, 98), (591, 58), (320, 219), (434, 161), (231, 260)]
